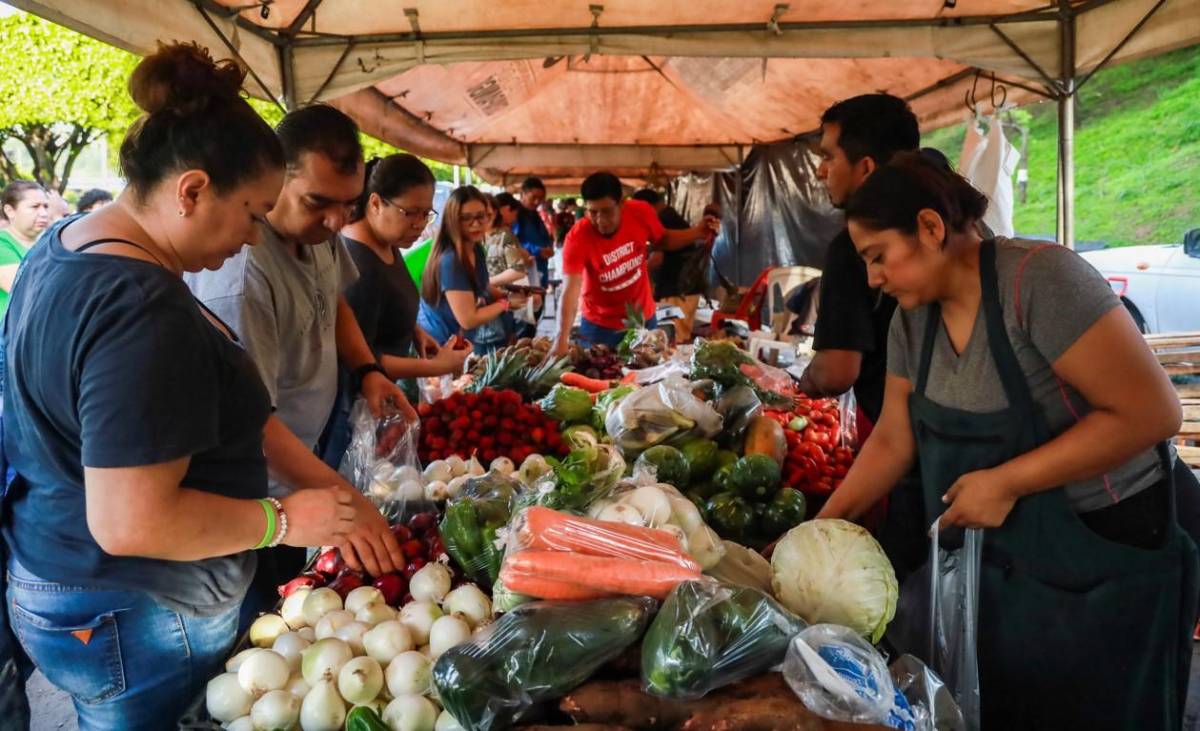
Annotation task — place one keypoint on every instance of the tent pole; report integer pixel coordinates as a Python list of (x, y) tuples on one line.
[(1066, 128), (736, 243), (287, 66)]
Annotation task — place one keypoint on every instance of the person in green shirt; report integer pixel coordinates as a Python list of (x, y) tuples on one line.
[(27, 212)]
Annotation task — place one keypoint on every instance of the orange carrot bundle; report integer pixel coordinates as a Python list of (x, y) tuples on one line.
[(611, 575), (578, 380), (546, 588), (549, 530)]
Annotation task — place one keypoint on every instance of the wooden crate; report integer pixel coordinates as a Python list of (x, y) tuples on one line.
[(1179, 354)]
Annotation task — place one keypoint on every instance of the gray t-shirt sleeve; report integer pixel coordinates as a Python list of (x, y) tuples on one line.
[(347, 271), (251, 315), (898, 345), (1048, 277)]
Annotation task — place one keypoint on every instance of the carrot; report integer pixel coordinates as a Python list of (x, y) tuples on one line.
[(549, 530), (578, 380), (629, 378), (612, 575), (536, 586)]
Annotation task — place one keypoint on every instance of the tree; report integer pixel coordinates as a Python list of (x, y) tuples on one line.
[(62, 91)]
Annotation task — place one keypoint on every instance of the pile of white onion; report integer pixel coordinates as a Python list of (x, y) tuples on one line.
[(321, 656)]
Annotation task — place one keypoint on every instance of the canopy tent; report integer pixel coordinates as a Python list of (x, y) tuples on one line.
[(646, 89)]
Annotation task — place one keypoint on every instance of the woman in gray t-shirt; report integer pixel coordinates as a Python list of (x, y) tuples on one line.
[(1037, 412)]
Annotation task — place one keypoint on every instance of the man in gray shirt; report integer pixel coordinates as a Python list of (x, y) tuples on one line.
[(283, 298)]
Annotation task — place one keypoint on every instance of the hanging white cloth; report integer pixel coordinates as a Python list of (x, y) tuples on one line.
[(989, 163)]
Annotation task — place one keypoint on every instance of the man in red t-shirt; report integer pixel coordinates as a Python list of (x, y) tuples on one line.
[(605, 262)]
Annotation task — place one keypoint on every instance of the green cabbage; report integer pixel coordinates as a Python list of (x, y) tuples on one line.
[(567, 405), (834, 571)]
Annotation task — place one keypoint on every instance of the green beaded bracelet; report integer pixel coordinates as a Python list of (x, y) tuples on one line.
[(269, 509)]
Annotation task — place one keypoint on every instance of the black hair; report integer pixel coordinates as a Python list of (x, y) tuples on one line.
[(196, 118), (14, 192), (893, 195), (389, 177), (648, 195), (875, 126), (533, 183), (322, 129), (91, 198), (602, 185), (507, 200)]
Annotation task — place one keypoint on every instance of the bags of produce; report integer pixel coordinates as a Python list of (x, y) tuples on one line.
[(730, 366), (587, 474), (472, 523), (605, 401), (558, 556), (742, 567), (381, 461), (651, 415), (665, 464), (708, 635), (536, 652), (835, 571), (567, 405), (840, 677), (662, 506)]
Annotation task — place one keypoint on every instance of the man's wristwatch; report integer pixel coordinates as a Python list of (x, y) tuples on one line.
[(361, 372)]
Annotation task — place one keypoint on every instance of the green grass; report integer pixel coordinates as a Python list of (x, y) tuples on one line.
[(1137, 154)]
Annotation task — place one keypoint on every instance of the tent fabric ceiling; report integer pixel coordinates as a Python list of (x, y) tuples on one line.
[(528, 86)]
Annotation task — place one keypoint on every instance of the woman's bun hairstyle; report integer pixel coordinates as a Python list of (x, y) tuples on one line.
[(195, 118), (895, 193)]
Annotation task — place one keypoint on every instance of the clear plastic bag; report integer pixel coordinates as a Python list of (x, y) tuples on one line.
[(643, 348), (642, 501), (932, 705), (954, 617), (542, 529), (738, 407), (473, 525), (741, 566), (838, 676), (586, 475), (535, 653), (381, 462), (708, 635), (651, 415), (848, 420)]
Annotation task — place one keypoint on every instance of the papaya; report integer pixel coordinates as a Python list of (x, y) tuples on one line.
[(765, 436)]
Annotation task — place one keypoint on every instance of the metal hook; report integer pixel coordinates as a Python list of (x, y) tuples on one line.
[(593, 39), (1003, 94), (972, 105), (773, 23)]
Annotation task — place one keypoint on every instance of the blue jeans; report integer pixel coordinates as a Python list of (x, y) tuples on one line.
[(127, 661), (592, 334)]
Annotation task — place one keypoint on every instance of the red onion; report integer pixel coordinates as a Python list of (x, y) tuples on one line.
[(402, 532), (393, 587), (310, 580), (422, 522), (346, 582), (330, 562), (413, 567)]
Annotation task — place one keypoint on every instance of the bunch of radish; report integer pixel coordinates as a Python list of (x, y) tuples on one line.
[(325, 652)]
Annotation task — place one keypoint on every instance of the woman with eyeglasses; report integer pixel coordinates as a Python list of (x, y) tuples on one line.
[(395, 207), (456, 295)]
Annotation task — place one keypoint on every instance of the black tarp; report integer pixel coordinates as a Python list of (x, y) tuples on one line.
[(784, 217)]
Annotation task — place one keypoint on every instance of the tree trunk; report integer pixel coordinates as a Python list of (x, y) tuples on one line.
[(46, 149)]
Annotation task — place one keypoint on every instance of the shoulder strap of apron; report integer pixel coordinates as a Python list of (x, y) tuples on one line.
[(1016, 388)]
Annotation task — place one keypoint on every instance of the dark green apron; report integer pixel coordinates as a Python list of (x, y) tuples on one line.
[(1075, 631)]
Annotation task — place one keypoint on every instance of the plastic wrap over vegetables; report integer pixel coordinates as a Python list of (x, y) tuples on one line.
[(651, 415), (472, 528), (587, 474), (556, 555), (535, 653), (567, 405), (708, 635), (730, 366), (838, 676), (381, 461), (644, 502)]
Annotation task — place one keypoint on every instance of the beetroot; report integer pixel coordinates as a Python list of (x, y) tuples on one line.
[(393, 587), (311, 581), (330, 562), (346, 582)]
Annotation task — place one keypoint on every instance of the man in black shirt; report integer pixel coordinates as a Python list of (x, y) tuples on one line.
[(678, 275), (857, 136)]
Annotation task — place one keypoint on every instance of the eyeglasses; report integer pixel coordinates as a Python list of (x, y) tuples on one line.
[(429, 215), (477, 219)]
